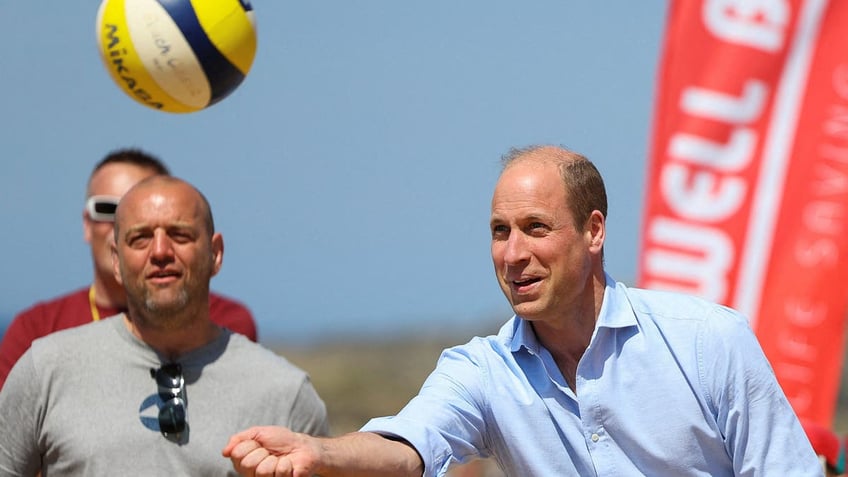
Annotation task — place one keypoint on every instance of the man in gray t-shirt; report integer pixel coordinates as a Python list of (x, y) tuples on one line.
[(157, 390)]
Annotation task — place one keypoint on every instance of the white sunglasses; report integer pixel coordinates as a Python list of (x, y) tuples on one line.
[(101, 208)]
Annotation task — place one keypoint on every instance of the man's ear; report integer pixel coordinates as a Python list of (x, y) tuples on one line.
[(116, 264), (86, 227), (596, 230), (217, 253)]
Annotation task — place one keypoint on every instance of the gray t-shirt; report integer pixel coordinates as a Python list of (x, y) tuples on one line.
[(83, 402)]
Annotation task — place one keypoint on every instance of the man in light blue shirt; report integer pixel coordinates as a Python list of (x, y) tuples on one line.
[(589, 378)]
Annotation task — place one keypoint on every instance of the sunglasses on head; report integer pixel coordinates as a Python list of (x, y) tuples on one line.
[(101, 208), (171, 388)]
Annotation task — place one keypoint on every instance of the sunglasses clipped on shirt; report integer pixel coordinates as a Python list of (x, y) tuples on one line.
[(171, 389), (101, 208)]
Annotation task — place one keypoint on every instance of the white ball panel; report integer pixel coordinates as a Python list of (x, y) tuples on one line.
[(166, 54)]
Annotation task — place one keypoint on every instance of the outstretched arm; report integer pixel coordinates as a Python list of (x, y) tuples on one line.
[(279, 452)]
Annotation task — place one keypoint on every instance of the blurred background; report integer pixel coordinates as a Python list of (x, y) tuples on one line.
[(351, 172)]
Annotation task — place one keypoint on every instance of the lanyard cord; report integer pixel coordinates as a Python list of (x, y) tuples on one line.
[(95, 315)]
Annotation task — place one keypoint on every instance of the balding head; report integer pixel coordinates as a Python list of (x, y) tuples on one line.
[(584, 186), (162, 185)]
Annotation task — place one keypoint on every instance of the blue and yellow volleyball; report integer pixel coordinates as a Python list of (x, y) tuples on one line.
[(178, 56)]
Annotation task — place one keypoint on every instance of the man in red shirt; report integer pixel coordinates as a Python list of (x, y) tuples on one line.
[(111, 178)]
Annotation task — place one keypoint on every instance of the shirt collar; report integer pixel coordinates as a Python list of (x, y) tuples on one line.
[(615, 313), (523, 336)]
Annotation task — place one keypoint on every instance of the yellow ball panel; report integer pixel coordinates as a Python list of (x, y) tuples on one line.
[(230, 29), (122, 60)]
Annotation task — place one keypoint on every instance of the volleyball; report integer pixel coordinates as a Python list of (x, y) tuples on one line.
[(178, 56)]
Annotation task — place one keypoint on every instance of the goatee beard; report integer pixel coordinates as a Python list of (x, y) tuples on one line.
[(167, 315)]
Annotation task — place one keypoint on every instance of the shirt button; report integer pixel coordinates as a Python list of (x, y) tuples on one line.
[(595, 437)]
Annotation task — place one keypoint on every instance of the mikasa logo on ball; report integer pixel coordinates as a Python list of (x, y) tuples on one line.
[(177, 55), (116, 61)]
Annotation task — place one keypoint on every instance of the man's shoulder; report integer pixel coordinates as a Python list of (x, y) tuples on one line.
[(674, 307), (266, 372), (232, 314), (243, 351), (73, 336), (72, 344), (44, 317), (226, 302), (482, 349), (668, 303)]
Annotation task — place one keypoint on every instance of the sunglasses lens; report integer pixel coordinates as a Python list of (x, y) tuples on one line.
[(169, 377), (172, 418), (101, 208), (106, 208), (172, 414)]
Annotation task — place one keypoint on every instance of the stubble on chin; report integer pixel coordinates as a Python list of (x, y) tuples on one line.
[(165, 315)]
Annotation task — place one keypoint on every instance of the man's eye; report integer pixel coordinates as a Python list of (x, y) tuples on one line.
[(500, 231), (537, 227), (181, 238), (138, 241)]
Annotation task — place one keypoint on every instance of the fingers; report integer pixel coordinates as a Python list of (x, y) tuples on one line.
[(273, 466), (274, 438), (246, 457), (269, 451), (235, 439), (259, 463)]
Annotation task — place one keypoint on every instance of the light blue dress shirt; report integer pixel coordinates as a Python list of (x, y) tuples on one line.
[(670, 385)]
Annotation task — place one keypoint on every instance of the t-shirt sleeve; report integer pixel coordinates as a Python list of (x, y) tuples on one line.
[(308, 414), (17, 340), (445, 422), (20, 423)]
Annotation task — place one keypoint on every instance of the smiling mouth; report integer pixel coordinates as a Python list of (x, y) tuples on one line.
[(162, 275), (524, 283)]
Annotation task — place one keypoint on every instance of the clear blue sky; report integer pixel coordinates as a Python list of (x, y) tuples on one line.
[(351, 172)]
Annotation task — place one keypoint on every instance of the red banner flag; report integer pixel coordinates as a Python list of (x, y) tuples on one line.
[(747, 200)]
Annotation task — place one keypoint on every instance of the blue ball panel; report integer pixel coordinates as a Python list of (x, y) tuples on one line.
[(223, 76)]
